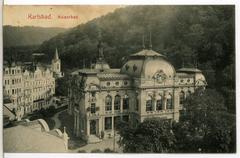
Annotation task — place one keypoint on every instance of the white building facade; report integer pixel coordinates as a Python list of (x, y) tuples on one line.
[(30, 87)]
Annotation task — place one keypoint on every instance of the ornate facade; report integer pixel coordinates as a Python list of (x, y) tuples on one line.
[(146, 86), (30, 86)]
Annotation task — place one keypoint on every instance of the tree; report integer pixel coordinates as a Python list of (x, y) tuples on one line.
[(152, 135), (62, 85), (205, 125)]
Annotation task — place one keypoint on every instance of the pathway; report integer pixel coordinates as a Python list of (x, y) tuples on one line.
[(56, 120), (107, 143)]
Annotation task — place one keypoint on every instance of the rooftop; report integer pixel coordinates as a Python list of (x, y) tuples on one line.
[(188, 70), (21, 139), (147, 52), (112, 76)]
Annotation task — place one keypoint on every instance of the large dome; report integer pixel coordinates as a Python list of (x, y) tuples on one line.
[(147, 64)]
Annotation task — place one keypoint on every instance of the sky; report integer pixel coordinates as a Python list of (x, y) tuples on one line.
[(23, 15)]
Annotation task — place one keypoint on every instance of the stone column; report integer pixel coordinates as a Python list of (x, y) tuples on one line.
[(176, 100), (165, 101), (74, 124), (77, 124), (88, 127), (113, 98), (112, 124), (176, 104), (154, 104), (97, 126), (103, 123)]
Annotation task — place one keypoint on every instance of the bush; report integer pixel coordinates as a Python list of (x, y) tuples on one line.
[(108, 151), (96, 151)]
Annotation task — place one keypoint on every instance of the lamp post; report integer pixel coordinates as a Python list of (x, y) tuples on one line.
[(114, 138)]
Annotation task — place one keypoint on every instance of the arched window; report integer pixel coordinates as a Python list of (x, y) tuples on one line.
[(117, 102), (169, 102), (181, 97), (108, 103), (125, 103), (159, 104), (149, 105)]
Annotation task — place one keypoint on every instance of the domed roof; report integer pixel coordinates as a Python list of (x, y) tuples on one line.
[(146, 52), (147, 64)]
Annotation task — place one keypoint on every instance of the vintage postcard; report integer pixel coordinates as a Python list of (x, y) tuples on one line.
[(119, 79)]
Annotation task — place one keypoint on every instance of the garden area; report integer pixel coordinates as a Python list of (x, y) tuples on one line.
[(46, 114), (68, 122)]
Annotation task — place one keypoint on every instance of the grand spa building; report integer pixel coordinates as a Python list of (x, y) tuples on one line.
[(146, 86)]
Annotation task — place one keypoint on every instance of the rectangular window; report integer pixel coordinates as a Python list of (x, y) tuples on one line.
[(149, 105), (125, 103), (12, 81), (159, 105), (136, 105), (108, 107), (169, 103), (93, 94), (12, 91), (12, 72), (108, 123), (117, 120), (93, 108)]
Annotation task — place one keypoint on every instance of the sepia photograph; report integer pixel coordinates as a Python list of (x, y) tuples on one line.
[(119, 79)]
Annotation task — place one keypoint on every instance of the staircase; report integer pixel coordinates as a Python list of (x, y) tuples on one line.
[(93, 139)]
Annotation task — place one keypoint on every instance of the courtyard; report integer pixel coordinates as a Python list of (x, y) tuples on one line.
[(76, 144)]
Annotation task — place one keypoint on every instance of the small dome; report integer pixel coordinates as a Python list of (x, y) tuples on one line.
[(148, 64), (199, 77), (101, 65)]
